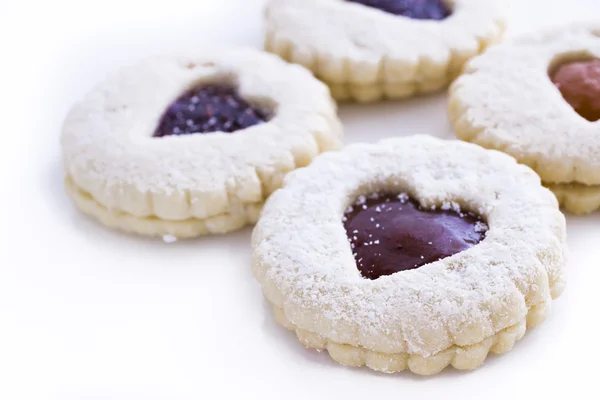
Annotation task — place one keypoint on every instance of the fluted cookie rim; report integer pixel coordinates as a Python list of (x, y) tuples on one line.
[(460, 357), (367, 65), (109, 152), (506, 101), (521, 260), (235, 218), (577, 198)]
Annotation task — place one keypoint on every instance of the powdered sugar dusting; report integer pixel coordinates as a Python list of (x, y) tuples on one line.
[(491, 104), (346, 55), (306, 265), (481, 227), (109, 151)]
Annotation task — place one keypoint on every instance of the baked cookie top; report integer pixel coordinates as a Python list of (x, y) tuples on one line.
[(368, 42), (196, 133), (511, 99), (306, 259)]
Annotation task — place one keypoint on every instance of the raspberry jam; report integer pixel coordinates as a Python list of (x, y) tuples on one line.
[(415, 9), (392, 233), (579, 84), (206, 109)]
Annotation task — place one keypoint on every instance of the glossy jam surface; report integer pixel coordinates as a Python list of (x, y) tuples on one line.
[(392, 233), (206, 109), (579, 84), (415, 9)]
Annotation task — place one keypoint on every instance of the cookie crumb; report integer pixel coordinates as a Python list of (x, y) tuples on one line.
[(169, 239)]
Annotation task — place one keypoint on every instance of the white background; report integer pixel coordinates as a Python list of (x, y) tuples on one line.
[(88, 313)]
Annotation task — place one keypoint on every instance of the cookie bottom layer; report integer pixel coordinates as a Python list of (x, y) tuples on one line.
[(365, 82), (153, 226), (389, 91), (460, 357), (576, 197)]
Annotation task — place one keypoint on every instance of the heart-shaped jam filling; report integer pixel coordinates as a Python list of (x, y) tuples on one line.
[(415, 9), (579, 83), (211, 108), (392, 233)]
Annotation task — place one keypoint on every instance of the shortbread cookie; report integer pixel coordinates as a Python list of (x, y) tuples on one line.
[(411, 253), (577, 198), (190, 146), (366, 50), (537, 99)]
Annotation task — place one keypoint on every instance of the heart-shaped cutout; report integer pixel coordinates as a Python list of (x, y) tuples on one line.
[(579, 84), (415, 9), (210, 108), (392, 233)]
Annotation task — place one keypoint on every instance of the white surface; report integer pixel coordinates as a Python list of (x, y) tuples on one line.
[(88, 313)]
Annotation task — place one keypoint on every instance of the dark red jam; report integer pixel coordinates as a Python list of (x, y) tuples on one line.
[(415, 9), (206, 109), (392, 233), (579, 84)]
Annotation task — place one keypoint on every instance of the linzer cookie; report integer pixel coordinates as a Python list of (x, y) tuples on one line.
[(537, 98), (366, 50), (411, 253), (190, 146)]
